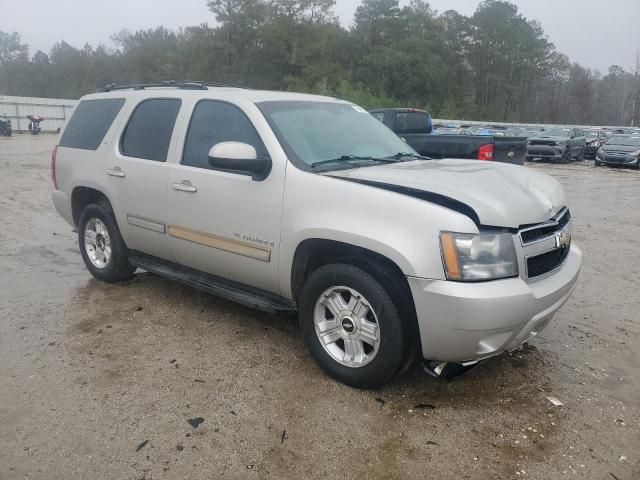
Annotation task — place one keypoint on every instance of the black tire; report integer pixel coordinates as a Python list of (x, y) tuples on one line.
[(597, 163), (118, 267), (566, 156), (392, 351), (581, 155)]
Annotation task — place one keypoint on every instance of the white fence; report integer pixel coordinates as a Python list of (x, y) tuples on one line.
[(55, 111)]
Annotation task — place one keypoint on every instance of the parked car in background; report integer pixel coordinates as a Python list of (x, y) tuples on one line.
[(488, 131), (594, 138), (530, 132), (560, 144), (623, 150), (445, 130), (449, 144), (285, 201)]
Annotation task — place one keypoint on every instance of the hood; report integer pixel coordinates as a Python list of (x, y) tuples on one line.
[(620, 148), (554, 139), (496, 194)]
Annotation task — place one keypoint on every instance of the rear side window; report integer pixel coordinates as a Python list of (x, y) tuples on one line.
[(90, 122), (413, 122), (213, 122), (148, 133)]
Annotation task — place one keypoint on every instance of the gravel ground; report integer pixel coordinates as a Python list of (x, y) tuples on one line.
[(100, 381)]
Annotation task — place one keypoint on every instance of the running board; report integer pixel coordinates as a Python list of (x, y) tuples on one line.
[(221, 287)]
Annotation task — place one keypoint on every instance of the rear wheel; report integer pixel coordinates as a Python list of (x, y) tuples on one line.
[(351, 326), (103, 250)]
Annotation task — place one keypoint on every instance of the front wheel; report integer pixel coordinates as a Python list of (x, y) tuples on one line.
[(103, 250), (351, 326), (597, 163)]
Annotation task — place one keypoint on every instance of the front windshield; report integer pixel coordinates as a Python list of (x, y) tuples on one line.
[(315, 132), (631, 140), (590, 135), (556, 132)]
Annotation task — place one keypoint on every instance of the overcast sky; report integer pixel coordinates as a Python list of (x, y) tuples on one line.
[(594, 33)]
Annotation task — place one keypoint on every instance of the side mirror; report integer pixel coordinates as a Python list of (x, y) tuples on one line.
[(240, 158)]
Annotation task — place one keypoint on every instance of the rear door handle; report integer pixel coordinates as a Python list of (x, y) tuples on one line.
[(116, 172), (184, 186)]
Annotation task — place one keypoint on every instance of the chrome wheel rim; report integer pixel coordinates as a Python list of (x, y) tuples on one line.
[(97, 243), (347, 327)]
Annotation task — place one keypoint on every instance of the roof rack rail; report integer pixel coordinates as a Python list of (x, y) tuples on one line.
[(182, 84)]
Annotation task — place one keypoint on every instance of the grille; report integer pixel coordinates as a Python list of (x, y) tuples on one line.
[(546, 262), (541, 153), (533, 234), (550, 143)]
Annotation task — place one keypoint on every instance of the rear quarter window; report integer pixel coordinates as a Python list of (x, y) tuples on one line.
[(90, 122)]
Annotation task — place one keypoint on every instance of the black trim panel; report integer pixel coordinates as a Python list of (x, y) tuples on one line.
[(221, 287), (438, 199)]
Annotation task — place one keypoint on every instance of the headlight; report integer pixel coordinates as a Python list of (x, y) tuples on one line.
[(474, 257), (561, 144), (636, 153)]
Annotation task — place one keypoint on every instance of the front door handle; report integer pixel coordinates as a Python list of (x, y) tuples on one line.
[(184, 186), (116, 172)]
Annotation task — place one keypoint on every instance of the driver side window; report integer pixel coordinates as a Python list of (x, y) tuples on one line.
[(214, 122)]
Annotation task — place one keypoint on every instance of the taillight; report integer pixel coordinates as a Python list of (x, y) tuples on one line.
[(485, 152), (54, 154)]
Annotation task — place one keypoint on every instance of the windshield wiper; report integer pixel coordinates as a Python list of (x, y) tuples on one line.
[(400, 155), (350, 160)]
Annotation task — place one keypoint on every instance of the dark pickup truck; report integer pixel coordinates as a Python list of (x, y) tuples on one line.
[(415, 127)]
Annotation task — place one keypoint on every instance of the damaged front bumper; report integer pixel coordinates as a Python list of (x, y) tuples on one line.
[(465, 322)]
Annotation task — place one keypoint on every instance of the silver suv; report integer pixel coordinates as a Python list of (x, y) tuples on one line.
[(286, 201)]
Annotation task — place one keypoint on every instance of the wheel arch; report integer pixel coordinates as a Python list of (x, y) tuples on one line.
[(313, 253), (81, 196)]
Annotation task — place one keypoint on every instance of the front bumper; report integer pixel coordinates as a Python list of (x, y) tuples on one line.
[(545, 152), (461, 322), (590, 151), (619, 160)]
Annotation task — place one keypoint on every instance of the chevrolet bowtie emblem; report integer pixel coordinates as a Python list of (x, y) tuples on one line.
[(563, 239)]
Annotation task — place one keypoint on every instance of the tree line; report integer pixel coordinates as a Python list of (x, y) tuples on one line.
[(495, 65)]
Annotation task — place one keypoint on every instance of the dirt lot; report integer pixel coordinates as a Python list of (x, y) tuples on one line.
[(98, 381)]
